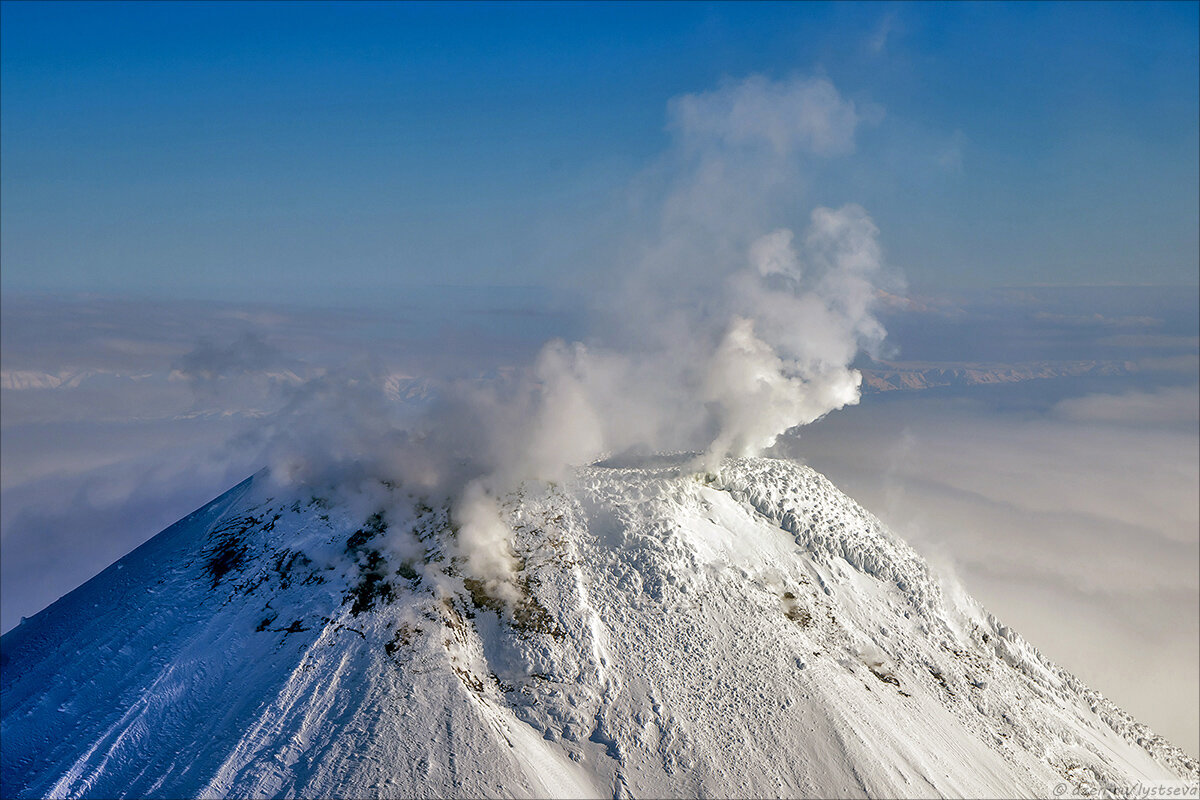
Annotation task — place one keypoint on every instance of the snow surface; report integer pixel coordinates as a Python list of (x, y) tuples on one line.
[(745, 634)]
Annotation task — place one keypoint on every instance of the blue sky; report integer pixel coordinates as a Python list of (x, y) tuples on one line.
[(238, 150)]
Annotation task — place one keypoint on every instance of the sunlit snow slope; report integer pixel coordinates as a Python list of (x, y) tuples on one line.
[(753, 633)]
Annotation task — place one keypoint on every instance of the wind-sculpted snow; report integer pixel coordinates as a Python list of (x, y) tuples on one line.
[(826, 522), (747, 633)]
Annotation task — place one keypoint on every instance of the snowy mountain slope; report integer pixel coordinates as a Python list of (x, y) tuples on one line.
[(752, 633)]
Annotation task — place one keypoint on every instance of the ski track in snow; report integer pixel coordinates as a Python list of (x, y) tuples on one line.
[(752, 633)]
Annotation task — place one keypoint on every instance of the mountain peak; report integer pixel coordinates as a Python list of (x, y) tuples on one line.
[(751, 632)]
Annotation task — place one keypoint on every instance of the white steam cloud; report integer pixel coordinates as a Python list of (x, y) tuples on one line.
[(731, 330), (789, 115)]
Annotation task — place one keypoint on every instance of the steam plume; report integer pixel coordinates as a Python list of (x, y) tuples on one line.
[(731, 330)]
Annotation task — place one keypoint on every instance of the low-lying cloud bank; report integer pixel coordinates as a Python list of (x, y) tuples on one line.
[(1169, 406), (1068, 508)]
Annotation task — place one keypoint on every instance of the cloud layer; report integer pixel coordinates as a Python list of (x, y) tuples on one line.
[(1073, 520)]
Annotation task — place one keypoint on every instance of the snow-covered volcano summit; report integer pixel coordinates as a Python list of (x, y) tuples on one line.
[(751, 633)]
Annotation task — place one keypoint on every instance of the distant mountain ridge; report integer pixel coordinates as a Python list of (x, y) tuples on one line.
[(748, 633), (914, 376)]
